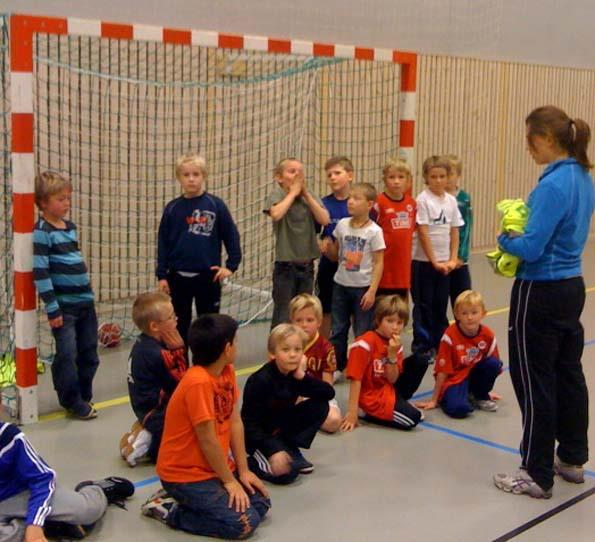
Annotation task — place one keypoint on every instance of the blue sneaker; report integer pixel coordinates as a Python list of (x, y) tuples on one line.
[(301, 463)]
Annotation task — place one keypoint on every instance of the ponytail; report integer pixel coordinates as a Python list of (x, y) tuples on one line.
[(571, 135), (580, 142)]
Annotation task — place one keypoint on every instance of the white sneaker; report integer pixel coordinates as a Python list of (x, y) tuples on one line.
[(486, 404), (520, 483)]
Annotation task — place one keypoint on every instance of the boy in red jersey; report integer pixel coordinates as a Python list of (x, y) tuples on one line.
[(467, 362), (208, 487), (305, 311), (395, 214), (382, 382)]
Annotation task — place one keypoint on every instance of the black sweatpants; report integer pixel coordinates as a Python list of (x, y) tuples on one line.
[(545, 342)]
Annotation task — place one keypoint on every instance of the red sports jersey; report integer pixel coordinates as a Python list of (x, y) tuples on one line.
[(457, 353), (397, 220), (321, 357), (367, 356)]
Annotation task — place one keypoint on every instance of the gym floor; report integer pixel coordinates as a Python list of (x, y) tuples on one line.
[(434, 483)]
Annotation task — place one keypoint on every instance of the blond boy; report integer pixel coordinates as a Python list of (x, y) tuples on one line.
[(62, 281), (193, 228), (468, 361), (156, 364), (296, 214), (305, 311), (396, 211)]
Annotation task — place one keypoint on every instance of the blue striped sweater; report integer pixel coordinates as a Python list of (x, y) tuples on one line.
[(59, 270), (21, 469)]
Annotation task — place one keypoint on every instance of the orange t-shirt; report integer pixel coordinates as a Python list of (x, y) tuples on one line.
[(397, 220), (367, 356), (199, 397), (458, 354)]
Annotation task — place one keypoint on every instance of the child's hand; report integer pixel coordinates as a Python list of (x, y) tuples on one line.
[(460, 263), (394, 345), (172, 339), (297, 185), (34, 533), (221, 274), (237, 496), (300, 372), (426, 405), (57, 322), (451, 265), (441, 267), (324, 245), (494, 396), (349, 422), (253, 483), (280, 463), (367, 300), (163, 286)]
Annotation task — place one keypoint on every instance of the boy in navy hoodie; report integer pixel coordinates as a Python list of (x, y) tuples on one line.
[(192, 229)]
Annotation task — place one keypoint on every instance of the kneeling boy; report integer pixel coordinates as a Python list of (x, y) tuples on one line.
[(157, 363), (382, 382), (207, 490), (468, 361)]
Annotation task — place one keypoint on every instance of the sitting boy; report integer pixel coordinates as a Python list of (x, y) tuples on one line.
[(208, 488), (277, 426), (157, 363), (33, 506), (305, 311), (382, 382), (467, 362)]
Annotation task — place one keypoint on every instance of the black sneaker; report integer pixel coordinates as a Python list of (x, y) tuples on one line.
[(116, 489), (85, 411), (62, 530), (301, 463)]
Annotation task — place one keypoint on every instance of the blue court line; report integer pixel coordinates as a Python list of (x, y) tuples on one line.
[(429, 425)]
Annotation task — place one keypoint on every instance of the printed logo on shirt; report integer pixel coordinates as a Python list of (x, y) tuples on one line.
[(409, 208), (223, 401), (472, 356), (354, 252), (402, 221), (201, 222), (440, 219), (378, 366)]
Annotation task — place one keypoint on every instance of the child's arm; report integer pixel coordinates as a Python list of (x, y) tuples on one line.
[(321, 215), (433, 402), (424, 239), (454, 249), (231, 240), (162, 252), (391, 368), (367, 300), (34, 533), (238, 448), (330, 249), (279, 210), (43, 281), (210, 447), (349, 422)]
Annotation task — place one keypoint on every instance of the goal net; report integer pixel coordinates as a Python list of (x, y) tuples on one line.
[(114, 115)]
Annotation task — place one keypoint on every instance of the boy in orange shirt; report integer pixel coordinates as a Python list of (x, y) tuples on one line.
[(395, 214), (206, 492), (467, 362), (382, 382)]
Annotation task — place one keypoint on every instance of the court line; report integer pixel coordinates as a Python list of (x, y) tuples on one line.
[(550, 513)]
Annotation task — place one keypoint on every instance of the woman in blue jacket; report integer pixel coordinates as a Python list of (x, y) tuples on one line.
[(545, 336)]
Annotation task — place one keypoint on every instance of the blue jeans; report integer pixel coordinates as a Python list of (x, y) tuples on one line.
[(346, 304), (76, 361), (289, 280), (480, 382), (203, 509)]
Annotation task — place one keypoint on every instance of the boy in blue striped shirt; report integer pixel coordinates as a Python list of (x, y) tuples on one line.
[(62, 281)]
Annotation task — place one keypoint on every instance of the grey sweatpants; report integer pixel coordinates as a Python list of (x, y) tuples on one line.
[(79, 508)]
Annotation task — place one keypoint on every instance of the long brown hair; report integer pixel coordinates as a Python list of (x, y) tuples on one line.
[(571, 135)]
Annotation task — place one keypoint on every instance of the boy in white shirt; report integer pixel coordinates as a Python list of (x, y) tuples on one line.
[(359, 248), (435, 249)]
